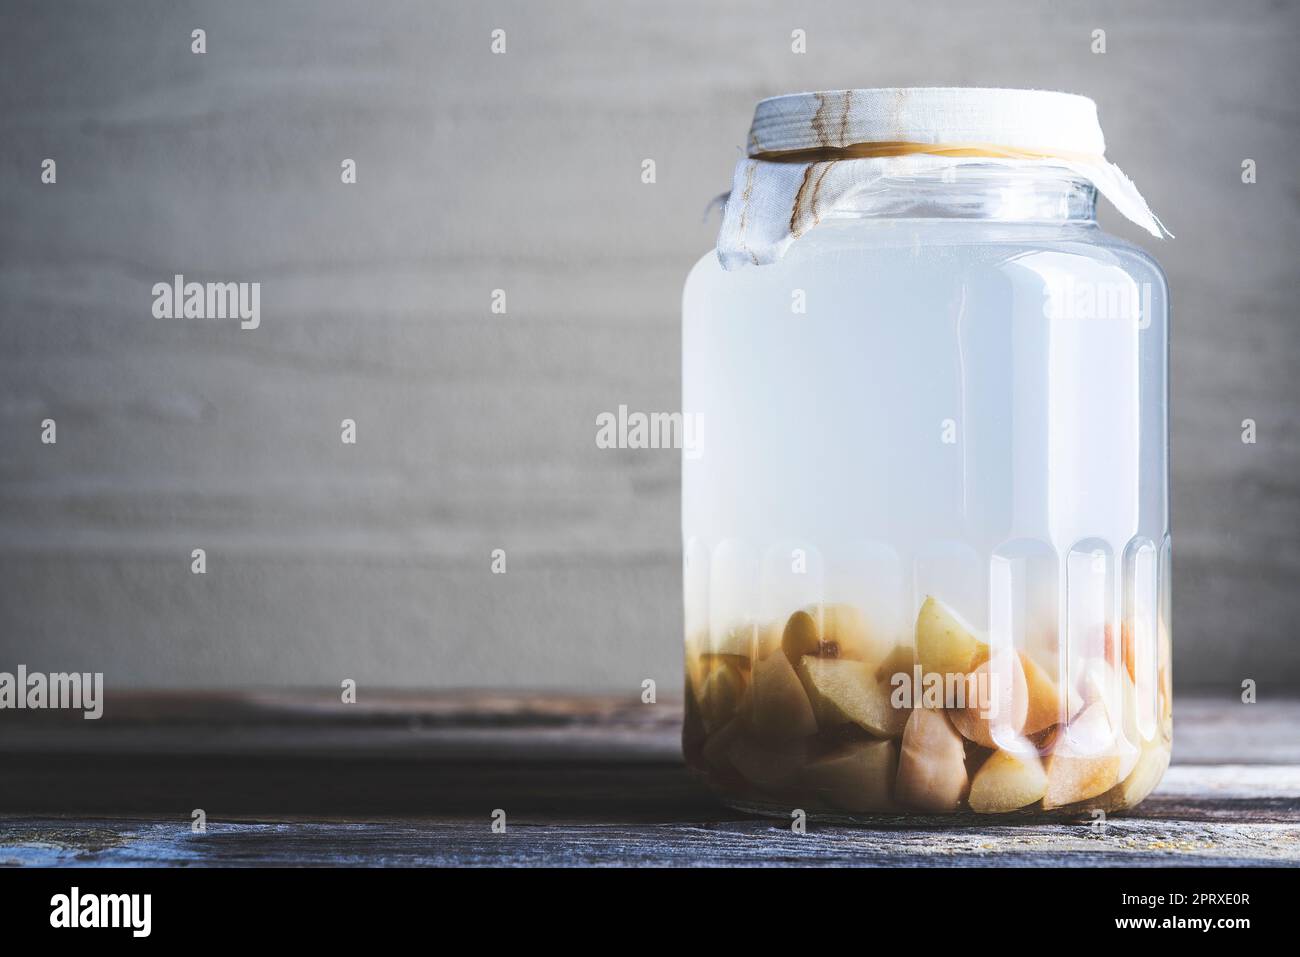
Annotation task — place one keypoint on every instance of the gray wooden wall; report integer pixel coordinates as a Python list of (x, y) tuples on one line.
[(522, 172)]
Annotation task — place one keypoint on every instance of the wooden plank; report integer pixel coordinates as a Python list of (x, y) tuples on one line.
[(1244, 824), (413, 779)]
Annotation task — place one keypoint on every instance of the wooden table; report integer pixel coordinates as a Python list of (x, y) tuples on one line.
[(414, 780)]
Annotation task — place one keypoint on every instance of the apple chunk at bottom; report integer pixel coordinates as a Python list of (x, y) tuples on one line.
[(1086, 759), (780, 708), (1002, 681), (1146, 774), (860, 777), (1044, 696), (1007, 781), (844, 691), (931, 763)]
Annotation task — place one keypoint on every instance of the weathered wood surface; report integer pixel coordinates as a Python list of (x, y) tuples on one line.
[(522, 172), (410, 780)]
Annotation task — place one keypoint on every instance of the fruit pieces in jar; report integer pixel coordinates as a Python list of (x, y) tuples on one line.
[(802, 711)]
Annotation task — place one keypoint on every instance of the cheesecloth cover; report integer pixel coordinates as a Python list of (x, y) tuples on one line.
[(812, 153)]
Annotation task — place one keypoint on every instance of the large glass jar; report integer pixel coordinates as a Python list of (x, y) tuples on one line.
[(926, 532)]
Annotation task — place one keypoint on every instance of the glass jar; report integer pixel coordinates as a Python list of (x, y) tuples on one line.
[(926, 533)]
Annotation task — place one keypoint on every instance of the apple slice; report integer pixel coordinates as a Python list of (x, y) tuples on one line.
[(931, 763), (1111, 687), (998, 702), (800, 637), (699, 667), (1128, 649), (1101, 681), (1129, 756), (1146, 774), (844, 691), (1085, 762), (944, 643), (1008, 781), (1044, 697), (780, 708), (859, 777), (846, 634)]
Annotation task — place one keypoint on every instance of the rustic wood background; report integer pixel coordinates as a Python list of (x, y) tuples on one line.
[(522, 172)]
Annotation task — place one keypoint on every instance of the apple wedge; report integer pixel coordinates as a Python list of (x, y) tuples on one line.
[(845, 691), (1044, 697), (944, 643), (1111, 687), (997, 705), (1085, 762), (1007, 781), (800, 637), (859, 777), (1100, 681), (1146, 774), (845, 633), (931, 763), (699, 667), (779, 706)]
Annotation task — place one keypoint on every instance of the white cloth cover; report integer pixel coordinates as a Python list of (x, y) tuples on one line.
[(775, 201)]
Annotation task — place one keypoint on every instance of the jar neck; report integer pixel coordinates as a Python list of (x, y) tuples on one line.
[(1028, 194)]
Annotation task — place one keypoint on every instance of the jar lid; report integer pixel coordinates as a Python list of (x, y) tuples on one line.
[(810, 154), (1041, 121)]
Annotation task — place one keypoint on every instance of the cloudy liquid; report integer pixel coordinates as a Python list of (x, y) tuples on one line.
[(964, 409)]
